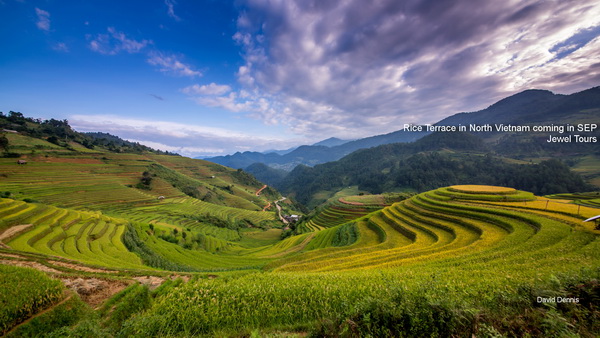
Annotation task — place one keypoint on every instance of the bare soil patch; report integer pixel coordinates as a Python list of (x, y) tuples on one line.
[(151, 281), (13, 231), (94, 291), (183, 278)]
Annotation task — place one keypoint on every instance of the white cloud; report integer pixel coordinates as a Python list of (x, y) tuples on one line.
[(171, 9), (187, 139), (171, 64), (43, 22), (61, 47), (185, 151), (209, 89), (128, 45), (115, 42), (229, 102), (353, 68)]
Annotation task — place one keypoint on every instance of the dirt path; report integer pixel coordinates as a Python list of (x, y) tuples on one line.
[(267, 207), (29, 264), (279, 210), (259, 190), (81, 267)]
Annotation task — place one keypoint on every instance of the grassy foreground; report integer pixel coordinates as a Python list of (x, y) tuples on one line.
[(455, 261)]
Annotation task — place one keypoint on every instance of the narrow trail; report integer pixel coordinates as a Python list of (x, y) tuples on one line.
[(267, 207), (279, 210), (259, 190)]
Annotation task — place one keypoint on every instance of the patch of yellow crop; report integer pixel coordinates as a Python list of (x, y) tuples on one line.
[(482, 189)]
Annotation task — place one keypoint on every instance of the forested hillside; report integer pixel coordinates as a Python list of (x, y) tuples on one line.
[(434, 161), (60, 133)]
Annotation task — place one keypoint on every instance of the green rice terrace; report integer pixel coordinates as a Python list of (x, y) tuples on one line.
[(105, 244)]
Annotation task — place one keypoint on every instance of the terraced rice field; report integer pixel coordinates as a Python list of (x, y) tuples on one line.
[(460, 245), (341, 211), (591, 199), (459, 224), (451, 248), (77, 206), (89, 237)]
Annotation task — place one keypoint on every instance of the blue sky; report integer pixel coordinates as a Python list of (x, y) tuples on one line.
[(209, 77)]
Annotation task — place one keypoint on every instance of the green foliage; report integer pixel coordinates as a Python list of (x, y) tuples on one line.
[(89, 327), (266, 174), (223, 223), (151, 258), (400, 314), (145, 181), (345, 235), (242, 177), (425, 171), (56, 321), (135, 300), (11, 155), (59, 132), (393, 197), (4, 143), (187, 185), (24, 292)]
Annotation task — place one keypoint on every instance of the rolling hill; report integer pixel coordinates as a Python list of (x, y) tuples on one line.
[(127, 241)]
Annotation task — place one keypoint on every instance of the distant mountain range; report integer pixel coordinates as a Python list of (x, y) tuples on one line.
[(491, 157), (407, 160), (327, 150), (527, 107)]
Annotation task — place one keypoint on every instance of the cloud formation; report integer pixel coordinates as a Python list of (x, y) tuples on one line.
[(171, 9), (60, 47), (357, 68), (185, 139), (115, 42), (209, 89), (171, 64), (43, 22)]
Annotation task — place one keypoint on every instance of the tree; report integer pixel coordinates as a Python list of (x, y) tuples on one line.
[(3, 143), (16, 117)]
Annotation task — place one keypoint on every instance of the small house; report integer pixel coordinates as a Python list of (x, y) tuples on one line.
[(21, 162)]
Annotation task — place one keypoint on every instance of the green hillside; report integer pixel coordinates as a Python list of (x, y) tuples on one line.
[(436, 160), (148, 244)]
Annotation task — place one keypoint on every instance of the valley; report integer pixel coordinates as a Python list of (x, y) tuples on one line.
[(292, 169), (127, 241)]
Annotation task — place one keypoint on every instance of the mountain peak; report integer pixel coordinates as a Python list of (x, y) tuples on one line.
[(331, 142)]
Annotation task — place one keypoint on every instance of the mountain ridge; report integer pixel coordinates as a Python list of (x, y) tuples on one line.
[(523, 107)]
